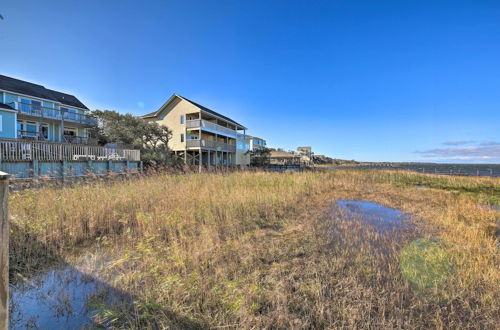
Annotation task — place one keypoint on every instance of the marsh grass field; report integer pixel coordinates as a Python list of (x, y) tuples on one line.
[(271, 250)]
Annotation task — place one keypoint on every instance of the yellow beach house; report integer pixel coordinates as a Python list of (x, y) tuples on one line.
[(202, 136)]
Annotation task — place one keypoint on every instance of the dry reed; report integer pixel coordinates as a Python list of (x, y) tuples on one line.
[(261, 250)]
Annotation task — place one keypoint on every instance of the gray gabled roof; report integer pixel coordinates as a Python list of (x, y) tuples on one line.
[(155, 113), (31, 89)]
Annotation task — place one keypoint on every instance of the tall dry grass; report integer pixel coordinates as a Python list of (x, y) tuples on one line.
[(262, 250)]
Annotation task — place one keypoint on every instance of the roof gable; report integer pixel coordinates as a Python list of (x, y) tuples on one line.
[(199, 106), (213, 112), (162, 108), (31, 89)]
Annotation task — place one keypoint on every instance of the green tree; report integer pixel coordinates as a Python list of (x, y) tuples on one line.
[(260, 157), (126, 129)]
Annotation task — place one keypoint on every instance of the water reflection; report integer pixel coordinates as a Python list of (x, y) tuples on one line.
[(59, 299), (389, 234), (381, 217)]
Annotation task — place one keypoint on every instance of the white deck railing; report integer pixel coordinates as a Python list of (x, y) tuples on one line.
[(201, 123), (209, 144), (51, 113), (14, 150)]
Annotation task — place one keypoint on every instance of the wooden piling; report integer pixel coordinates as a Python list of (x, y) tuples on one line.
[(4, 252)]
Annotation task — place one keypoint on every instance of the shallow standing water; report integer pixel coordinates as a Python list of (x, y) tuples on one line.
[(54, 300), (59, 298), (422, 262), (379, 216)]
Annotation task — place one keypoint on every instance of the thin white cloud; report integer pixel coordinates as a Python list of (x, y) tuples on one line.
[(490, 143), (488, 151), (457, 143)]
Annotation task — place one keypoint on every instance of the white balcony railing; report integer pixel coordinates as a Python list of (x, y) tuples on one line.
[(243, 136), (201, 123), (39, 136), (209, 144), (50, 113)]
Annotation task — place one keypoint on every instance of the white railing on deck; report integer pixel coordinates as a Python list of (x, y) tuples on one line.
[(209, 144), (12, 150), (196, 123), (51, 113)]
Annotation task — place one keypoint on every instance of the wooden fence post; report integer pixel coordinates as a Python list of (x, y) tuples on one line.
[(4, 252)]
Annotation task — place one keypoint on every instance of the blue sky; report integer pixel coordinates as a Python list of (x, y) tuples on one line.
[(366, 80)]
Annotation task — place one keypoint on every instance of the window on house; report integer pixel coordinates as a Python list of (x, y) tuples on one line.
[(182, 138), (182, 119), (25, 105), (30, 130), (20, 127), (44, 131), (30, 106), (69, 132), (36, 107), (71, 114), (31, 127)]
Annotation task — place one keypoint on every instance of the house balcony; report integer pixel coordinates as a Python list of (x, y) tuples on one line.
[(54, 114), (240, 136), (211, 145), (208, 126), (38, 136)]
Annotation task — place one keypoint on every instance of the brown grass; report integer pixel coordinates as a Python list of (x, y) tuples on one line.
[(261, 250)]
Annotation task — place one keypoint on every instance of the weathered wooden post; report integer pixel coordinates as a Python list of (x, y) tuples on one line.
[(4, 252)]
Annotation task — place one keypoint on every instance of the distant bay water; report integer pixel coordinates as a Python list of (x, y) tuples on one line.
[(492, 170)]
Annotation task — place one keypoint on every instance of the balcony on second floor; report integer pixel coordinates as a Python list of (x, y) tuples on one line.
[(41, 136), (211, 127), (54, 114), (210, 144)]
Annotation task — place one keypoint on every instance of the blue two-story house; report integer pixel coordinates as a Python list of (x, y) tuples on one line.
[(45, 133), (31, 111)]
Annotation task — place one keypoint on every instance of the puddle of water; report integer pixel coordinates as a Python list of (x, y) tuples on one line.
[(57, 299), (379, 216), (420, 186), (424, 263), (54, 300)]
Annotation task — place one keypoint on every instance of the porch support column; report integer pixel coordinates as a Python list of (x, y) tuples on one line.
[(200, 160), (62, 126), (208, 159)]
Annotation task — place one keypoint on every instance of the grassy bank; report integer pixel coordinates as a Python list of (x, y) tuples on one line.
[(258, 250), (484, 189)]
